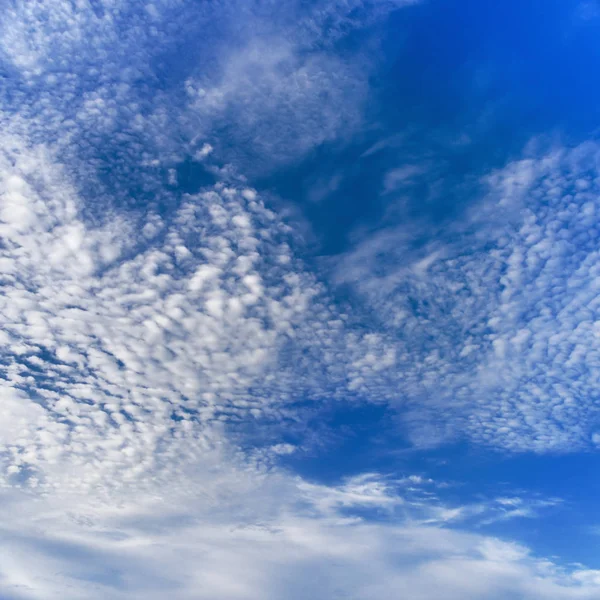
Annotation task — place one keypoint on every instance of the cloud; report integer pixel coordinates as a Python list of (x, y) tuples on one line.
[(282, 88), (115, 347), (251, 536), (155, 342), (493, 318), (402, 176), (123, 353), (139, 320), (119, 85), (278, 101), (127, 359)]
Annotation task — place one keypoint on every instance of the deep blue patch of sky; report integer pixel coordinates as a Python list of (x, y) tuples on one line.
[(461, 88)]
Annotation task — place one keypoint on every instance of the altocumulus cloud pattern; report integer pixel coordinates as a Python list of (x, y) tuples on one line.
[(286, 313)]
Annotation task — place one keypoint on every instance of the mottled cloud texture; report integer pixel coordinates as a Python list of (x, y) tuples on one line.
[(496, 320), (147, 331)]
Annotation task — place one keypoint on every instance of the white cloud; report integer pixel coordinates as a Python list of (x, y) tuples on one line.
[(236, 534), (124, 353), (115, 352), (119, 378), (279, 96), (401, 176), (137, 346), (493, 322)]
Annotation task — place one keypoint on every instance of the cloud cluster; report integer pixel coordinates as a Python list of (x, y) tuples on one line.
[(123, 87), (138, 320), (123, 357), (496, 318), (254, 536), (144, 331), (114, 346)]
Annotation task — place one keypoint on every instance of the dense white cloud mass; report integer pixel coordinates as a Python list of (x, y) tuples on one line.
[(115, 346), (237, 533), (124, 335), (497, 320)]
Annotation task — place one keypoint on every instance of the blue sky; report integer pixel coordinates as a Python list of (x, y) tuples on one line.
[(299, 300)]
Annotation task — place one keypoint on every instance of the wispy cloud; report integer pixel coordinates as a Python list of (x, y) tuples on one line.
[(402, 176), (253, 536)]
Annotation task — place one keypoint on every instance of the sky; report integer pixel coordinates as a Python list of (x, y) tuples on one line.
[(299, 299)]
